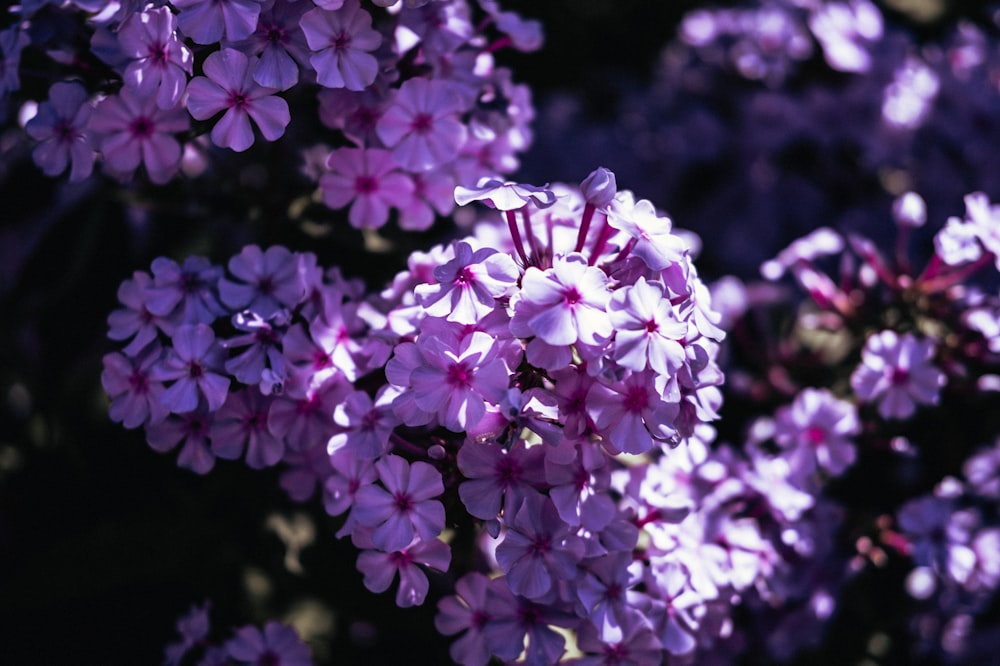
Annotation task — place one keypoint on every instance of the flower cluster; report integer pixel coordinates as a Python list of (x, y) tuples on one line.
[(520, 383), (274, 643), (900, 340), (413, 96)]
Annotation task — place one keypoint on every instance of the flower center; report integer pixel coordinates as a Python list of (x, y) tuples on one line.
[(365, 185), (422, 123), (141, 128)]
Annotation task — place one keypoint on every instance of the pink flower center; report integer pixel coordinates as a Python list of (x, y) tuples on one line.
[(157, 52), (321, 360), (899, 376), (815, 435), (572, 296), (459, 375), (636, 399), (422, 123), (365, 185), (652, 326), (465, 276), (401, 558)]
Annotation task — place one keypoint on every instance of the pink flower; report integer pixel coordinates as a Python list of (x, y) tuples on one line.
[(816, 430), (632, 413), (897, 372), (648, 332), (343, 41), (368, 178), (454, 378), (230, 86), (469, 285), (133, 130), (422, 126), (564, 304)]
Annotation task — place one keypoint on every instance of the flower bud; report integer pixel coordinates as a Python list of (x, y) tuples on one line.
[(599, 188)]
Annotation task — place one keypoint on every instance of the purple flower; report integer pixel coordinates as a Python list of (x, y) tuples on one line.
[(433, 192), (421, 126), (193, 628), (631, 414), (651, 236), (368, 424), (647, 330), (380, 568), (816, 431), (193, 429), (276, 645), (263, 354), (135, 319), (564, 304), (453, 379), (403, 508), (371, 179), (505, 196), (326, 351), (306, 422), (230, 86), (897, 372), (186, 293), (350, 474), (468, 610), (206, 21), (280, 44), (469, 285), (60, 127), (160, 62), (133, 130), (242, 421), (268, 281), (342, 41), (538, 549), (498, 476), (192, 364), (135, 397)]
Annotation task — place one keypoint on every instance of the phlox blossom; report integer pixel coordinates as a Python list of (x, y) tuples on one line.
[(133, 131), (342, 42), (897, 372), (228, 85)]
